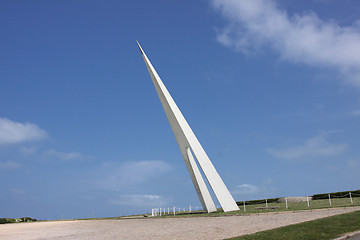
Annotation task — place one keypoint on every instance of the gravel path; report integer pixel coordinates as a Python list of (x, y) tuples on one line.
[(163, 228)]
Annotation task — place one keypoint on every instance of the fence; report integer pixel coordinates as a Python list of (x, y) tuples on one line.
[(331, 200), (174, 210)]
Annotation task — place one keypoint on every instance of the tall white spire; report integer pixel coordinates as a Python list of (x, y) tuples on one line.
[(189, 146)]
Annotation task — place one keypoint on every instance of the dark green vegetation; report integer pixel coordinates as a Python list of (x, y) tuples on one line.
[(13, 220), (325, 228), (252, 202), (337, 195)]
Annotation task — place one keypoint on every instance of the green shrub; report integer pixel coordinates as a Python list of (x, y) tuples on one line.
[(3, 220), (12, 220), (344, 194), (252, 202), (28, 219), (7, 220)]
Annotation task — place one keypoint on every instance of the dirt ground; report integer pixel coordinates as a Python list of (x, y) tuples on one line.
[(163, 228)]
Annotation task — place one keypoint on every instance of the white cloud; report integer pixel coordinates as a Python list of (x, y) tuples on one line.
[(28, 150), (64, 156), (22, 194), (18, 192), (299, 38), (269, 181), (10, 165), (139, 171), (317, 146), (356, 112), (353, 164), (246, 189), (14, 132), (138, 200), (115, 175)]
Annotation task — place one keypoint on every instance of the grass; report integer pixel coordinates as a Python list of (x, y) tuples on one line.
[(325, 228)]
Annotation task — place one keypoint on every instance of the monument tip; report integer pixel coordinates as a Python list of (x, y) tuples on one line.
[(140, 48)]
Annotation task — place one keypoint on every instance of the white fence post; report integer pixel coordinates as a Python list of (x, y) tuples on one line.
[(329, 200), (160, 211), (307, 199), (266, 202), (244, 207), (350, 198), (152, 212), (286, 203), (190, 208), (174, 211)]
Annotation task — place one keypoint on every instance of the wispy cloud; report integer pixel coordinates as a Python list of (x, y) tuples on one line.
[(245, 189), (18, 192), (317, 146), (15, 132), (115, 175), (299, 38), (64, 156), (356, 112), (354, 164), (138, 200), (10, 165), (28, 150), (22, 194)]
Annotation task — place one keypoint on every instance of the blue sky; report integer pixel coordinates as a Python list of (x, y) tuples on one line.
[(270, 88)]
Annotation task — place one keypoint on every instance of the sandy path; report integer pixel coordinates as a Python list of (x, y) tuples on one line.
[(163, 228)]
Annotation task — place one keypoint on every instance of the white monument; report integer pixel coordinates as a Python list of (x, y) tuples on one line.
[(189, 147)]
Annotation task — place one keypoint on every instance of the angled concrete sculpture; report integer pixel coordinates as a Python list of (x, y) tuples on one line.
[(190, 147)]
